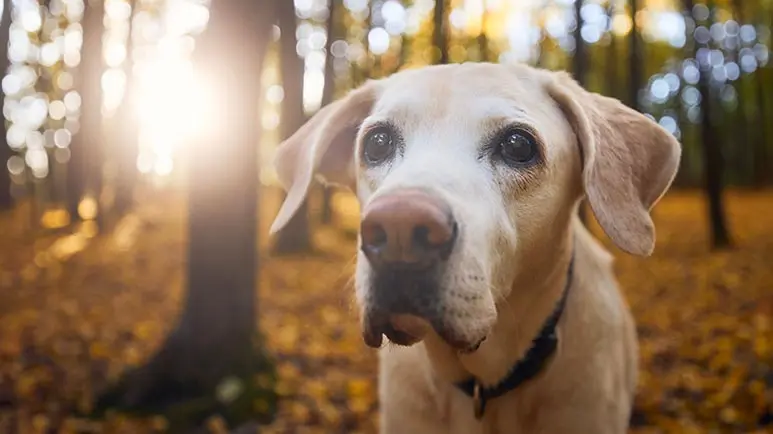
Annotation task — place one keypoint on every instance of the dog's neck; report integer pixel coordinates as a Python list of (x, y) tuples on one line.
[(521, 316)]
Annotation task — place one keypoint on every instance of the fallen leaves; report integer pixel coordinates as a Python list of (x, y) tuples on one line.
[(705, 324), (704, 342)]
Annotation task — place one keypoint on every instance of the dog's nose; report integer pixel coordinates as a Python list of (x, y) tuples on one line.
[(407, 229)]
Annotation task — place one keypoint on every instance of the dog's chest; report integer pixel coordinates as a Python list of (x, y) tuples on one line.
[(501, 417)]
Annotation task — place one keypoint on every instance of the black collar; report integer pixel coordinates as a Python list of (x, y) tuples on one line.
[(543, 346)]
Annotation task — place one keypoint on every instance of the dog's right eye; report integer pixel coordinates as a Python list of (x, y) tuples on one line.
[(378, 146)]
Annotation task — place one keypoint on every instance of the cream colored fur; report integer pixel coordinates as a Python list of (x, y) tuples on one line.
[(518, 231)]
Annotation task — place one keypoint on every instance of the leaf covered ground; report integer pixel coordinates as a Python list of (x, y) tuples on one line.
[(77, 309)]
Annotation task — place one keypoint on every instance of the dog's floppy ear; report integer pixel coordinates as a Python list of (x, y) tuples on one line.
[(629, 161), (324, 148)]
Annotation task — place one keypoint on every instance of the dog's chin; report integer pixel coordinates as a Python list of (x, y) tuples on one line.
[(407, 330), (400, 329)]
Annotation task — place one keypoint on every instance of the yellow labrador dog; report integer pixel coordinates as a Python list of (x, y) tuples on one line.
[(504, 309)]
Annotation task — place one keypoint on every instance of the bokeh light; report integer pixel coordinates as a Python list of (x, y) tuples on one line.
[(42, 105)]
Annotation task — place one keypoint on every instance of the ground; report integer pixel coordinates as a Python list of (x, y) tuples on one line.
[(77, 308)]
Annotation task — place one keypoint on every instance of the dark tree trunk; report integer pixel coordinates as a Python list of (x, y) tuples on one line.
[(85, 150), (713, 169), (712, 160), (762, 157), (580, 57), (635, 64), (328, 93), (742, 138), (760, 152), (5, 151), (483, 45), (128, 139), (580, 70), (439, 36), (611, 61), (214, 341), (295, 237)]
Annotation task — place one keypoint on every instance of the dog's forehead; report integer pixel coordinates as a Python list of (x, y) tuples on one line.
[(475, 92)]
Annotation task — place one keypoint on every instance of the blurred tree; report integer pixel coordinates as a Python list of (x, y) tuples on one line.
[(743, 143), (360, 70), (712, 153), (440, 34), (580, 69), (212, 361), (127, 140), (334, 33), (85, 149), (5, 151), (635, 58), (580, 56), (751, 104), (539, 62), (483, 43), (370, 68), (295, 237), (611, 73), (764, 152), (405, 51)]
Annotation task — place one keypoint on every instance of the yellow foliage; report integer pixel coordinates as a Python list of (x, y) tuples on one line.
[(704, 321)]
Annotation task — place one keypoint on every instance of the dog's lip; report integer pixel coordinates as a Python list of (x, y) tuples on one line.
[(373, 327), (400, 329), (412, 326), (406, 330), (474, 347)]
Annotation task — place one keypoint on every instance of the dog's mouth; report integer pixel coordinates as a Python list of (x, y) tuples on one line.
[(406, 307), (407, 330)]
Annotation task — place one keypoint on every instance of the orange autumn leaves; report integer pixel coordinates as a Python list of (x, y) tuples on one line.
[(705, 326)]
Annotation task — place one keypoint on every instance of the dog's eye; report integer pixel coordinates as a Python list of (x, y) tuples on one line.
[(517, 148), (378, 146)]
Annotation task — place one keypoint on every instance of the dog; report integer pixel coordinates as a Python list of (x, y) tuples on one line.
[(503, 310)]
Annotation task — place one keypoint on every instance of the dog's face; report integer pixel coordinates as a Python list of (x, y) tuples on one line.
[(466, 175)]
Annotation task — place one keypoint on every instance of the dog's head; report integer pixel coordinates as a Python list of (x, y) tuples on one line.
[(464, 173)]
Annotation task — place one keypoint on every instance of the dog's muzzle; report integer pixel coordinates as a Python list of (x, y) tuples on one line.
[(407, 237)]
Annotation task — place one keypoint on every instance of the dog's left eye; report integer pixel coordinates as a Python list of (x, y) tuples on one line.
[(517, 148)]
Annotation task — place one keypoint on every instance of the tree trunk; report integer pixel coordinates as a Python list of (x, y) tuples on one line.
[(371, 62), (540, 61), (762, 157), (743, 145), (483, 45), (760, 152), (713, 169), (580, 70), (439, 36), (85, 149), (328, 94), (213, 343), (712, 160), (295, 237), (612, 56), (128, 139), (635, 64), (5, 151), (579, 59), (405, 42)]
